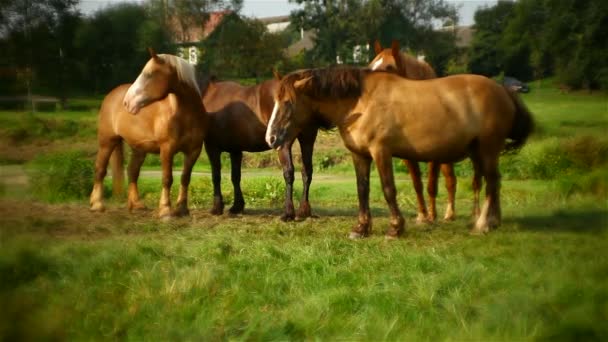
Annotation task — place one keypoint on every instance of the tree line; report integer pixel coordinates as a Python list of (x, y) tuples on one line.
[(534, 39), (50, 47)]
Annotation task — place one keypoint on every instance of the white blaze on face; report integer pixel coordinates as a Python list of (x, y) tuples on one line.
[(130, 96), (377, 63), (273, 117)]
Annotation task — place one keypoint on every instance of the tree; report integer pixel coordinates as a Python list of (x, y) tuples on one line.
[(241, 47), (490, 22), (36, 37), (112, 45), (342, 24)]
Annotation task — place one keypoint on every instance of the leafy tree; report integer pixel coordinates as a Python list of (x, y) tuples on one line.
[(112, 45), (340, 25), (36, 37), (241, 47), (485, 57)]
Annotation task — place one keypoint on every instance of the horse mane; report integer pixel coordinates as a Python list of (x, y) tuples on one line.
[(334, 81), (185, 71), (415, 69)]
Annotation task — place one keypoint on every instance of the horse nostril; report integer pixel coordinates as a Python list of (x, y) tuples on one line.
[(273, 138)]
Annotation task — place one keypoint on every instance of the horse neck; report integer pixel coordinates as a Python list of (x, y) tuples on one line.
[(265, 100), (188, 97), (334, 111)]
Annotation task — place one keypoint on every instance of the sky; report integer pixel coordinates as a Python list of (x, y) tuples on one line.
[(271, 8)]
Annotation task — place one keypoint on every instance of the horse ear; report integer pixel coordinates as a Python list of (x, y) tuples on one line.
[(397, 55), (276, 74), (153, 54), (395, 47), (377, 47), (302, 84)]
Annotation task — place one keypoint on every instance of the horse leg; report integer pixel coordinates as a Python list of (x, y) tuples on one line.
[(166, 161), (477, 183), (238, 205), (306, 146), (432, 189), (384, 163), (490, 213), (414, 171), (181, 209), (362, 167), (450, 185), (133, 201), (287, 164), (216, 177), (101, 165)]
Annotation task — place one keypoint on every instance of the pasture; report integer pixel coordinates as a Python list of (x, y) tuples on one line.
[(67, 273)]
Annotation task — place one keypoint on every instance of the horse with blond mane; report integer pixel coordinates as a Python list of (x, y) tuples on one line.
[(392, 60), (381, 115), (161, 112)]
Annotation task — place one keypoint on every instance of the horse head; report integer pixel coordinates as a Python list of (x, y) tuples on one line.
[(386, 59), (161, 75), (282, 125)]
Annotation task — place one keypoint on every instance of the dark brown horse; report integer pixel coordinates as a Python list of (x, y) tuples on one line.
[(238, 118), (161, 112), (404, 65), (381, 115)]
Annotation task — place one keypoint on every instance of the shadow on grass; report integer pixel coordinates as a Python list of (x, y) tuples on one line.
[(591, 221)]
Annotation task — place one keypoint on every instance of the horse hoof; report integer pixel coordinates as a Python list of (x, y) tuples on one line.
[(216, 211), (97, 207), (389, 237), (137, 206), (478, 232), (355, 236), (164, 214), (181, 212), (287, 217), (422, 219), (236, 210)]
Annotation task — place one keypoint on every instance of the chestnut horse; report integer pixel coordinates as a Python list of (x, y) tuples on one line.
[(238, 118), (404, 65), (381, 115), (161, 112)]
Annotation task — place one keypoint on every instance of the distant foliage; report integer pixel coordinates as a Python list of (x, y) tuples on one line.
[(62, 176), (532, 39)]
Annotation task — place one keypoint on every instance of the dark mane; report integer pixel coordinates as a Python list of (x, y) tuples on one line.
[(335, 81)]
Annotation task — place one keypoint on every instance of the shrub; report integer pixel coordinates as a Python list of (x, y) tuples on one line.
[(62, 176)]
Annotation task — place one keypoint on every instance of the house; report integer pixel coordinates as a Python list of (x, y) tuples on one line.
[(192, 35)]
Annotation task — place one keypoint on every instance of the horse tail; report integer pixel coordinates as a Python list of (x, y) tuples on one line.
[(118, 170), (523, 124)]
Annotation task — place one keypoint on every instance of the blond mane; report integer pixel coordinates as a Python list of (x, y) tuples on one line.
[(185, 71)]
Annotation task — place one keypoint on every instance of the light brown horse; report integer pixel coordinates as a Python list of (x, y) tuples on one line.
[(238, 118), (381, 115), (161, 112), (404, 65)]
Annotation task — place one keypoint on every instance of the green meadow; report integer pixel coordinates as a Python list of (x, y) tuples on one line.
[(67, 273)]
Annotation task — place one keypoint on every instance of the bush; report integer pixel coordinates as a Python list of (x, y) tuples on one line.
[(62, 176), (553, 158)]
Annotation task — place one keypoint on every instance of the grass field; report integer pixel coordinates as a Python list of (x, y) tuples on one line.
[(67, 273)]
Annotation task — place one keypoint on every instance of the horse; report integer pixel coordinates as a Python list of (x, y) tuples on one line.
[(381, 115), (238, 116), (161, 112), (404, 65)]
